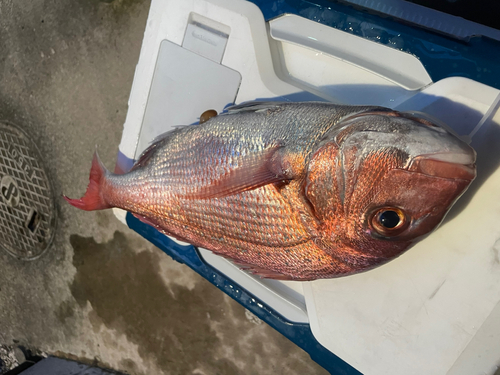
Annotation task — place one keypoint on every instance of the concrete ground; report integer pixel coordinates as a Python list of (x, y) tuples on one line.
[(101, 293)]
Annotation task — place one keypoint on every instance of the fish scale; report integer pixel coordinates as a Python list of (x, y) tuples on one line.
[(294, 190), (218, 216)]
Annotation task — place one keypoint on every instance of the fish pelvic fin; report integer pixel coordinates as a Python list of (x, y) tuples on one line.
[(93, 198)]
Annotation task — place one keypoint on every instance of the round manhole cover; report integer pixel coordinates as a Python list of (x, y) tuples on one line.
[(27, 211)]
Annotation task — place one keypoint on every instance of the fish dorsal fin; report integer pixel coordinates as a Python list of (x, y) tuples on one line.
[(256, 170), (155, 144), (145, 157), (254, 106)]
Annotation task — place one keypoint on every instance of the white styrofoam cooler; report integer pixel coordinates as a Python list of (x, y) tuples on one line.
[(435, 309)]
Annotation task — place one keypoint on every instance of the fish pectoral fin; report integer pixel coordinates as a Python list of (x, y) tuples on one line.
[(254, 171)]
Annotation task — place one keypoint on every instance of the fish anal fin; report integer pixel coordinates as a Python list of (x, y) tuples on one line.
[(157, 226), (147, 220)]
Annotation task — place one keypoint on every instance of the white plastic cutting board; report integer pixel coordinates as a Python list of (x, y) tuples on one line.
[(433, 310)]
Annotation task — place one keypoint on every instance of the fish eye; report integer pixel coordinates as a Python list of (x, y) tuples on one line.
[(389, 221)]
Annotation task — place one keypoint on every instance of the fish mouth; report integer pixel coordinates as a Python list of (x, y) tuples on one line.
[(445, 165)]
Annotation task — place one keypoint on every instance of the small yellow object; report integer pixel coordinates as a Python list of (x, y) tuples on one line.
[(207, 115)]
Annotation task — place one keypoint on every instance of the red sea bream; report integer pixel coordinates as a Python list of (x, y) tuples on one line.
[(297, 191)]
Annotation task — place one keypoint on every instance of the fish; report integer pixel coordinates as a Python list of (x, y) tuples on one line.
[(294, 191)]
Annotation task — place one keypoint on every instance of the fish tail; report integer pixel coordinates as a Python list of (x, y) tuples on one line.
[(94, 197)]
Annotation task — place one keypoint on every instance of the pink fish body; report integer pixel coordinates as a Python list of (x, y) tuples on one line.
[(297, 191)]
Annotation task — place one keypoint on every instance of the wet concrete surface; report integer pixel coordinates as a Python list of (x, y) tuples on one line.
[(102, 294)]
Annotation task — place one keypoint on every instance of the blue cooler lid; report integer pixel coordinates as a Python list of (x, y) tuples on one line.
[(475, 57)]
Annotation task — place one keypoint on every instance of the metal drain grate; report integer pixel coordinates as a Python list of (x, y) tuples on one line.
[(27, 212)]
